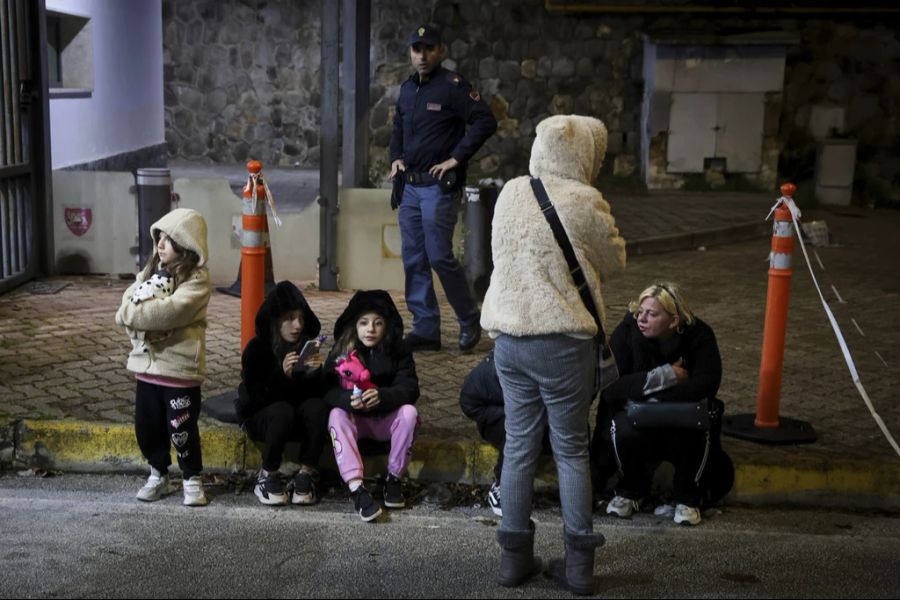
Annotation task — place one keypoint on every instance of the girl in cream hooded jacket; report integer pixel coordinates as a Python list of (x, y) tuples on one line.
[(168, 353), (544, 351)]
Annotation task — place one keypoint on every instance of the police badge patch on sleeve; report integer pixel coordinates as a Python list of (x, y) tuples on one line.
[(474, 95)]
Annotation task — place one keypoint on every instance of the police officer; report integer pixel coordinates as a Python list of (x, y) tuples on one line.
[(440, 122)]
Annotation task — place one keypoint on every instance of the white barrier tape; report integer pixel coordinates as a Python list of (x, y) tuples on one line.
[(251, 185), (795, 212), (256, 179), (858, 328), (256, 182), (881, 359), (271, 204)]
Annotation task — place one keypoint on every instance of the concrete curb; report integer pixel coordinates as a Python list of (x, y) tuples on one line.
[(740, 232), (111, 447)]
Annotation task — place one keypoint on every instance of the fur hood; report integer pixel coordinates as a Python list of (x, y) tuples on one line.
[(187, 227), (531, 291), (283, 298), (568, 147)]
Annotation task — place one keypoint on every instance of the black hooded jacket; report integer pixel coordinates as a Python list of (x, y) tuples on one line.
[(637, 355), (263, 381), (481, 397), (391, 365)]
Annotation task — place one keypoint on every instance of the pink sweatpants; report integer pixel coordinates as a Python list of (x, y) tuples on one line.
[(399, 427)]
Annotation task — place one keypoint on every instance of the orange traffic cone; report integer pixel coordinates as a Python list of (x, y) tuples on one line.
[(766, 426)]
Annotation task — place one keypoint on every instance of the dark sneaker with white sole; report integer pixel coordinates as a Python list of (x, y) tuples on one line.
[(365, 505), (304, 488), (269, 489), (493, 498), (393, 492)]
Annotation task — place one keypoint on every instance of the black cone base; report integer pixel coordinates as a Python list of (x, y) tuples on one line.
[(789, 431)]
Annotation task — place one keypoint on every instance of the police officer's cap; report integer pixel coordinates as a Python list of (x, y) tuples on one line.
[(425, 34)]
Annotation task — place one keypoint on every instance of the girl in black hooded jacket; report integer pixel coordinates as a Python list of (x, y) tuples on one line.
[(279, 398), (372, 327)]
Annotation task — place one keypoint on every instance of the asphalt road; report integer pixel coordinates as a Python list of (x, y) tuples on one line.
[(86, 536)]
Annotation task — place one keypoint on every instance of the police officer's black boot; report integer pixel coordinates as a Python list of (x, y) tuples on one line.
[(517, 560), (575, 572)]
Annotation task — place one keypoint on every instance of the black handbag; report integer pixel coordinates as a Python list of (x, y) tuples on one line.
[(653, 414), (607, 371)]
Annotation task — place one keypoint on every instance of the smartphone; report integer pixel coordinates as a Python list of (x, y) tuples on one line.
[(309, 348)]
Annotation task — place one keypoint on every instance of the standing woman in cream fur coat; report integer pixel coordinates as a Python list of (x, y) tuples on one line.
[(543, 340)]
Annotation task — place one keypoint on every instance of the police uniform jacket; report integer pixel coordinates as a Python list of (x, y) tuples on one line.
[(431, 119)]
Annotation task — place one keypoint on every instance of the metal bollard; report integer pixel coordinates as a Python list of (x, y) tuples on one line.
[(477, 262), (154, 189)]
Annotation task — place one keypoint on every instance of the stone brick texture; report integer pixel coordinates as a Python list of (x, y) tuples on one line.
[(242, 80)]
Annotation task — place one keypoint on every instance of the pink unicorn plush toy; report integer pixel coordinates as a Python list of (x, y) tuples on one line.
[(354, 374)]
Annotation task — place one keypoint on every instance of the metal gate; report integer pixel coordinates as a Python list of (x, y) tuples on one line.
[(22, 145)]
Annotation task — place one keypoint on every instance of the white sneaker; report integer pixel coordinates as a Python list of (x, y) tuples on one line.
[(622, 507), (687, 515), (665, 510), (193, 492), (156, 487)]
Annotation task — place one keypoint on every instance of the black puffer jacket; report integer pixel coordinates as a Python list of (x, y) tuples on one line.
[(481, 397), (391, 365), (263, 381), (637, 355)]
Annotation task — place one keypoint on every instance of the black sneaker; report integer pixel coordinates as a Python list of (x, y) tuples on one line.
[(304, 488), (493, 498), (393, 492), (364, 504), (269, 489)]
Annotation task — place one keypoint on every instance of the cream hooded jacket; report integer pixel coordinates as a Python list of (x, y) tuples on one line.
[(183, 353), (531, 291)]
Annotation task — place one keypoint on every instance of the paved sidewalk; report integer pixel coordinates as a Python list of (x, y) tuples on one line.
[(66, 398)]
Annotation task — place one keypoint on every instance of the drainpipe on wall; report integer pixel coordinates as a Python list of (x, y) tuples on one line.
[(328, 147)]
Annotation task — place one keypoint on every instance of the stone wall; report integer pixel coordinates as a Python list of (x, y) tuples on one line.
[(242, 79)]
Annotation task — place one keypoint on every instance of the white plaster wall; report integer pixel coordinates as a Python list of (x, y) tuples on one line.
[(368, 251), (106, 245), (125, 110), (368, 238)]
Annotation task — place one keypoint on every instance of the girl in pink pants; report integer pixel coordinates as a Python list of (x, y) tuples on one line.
[(372, 326)]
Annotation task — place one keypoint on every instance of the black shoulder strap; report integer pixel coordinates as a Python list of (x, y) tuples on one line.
[(562, 239)]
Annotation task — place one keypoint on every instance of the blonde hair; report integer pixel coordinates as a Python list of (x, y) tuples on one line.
[(672, 299)]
